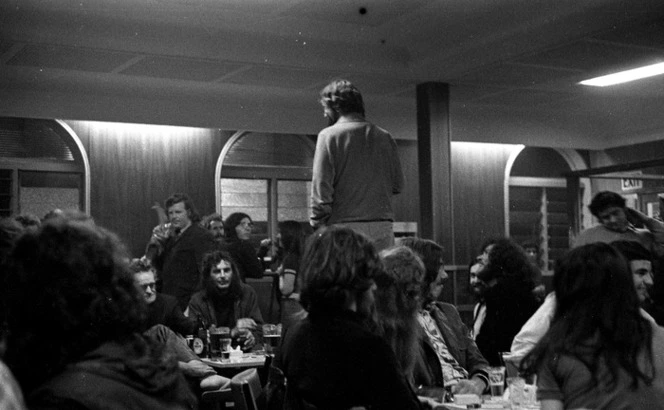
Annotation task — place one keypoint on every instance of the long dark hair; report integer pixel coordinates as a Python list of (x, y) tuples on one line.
[(597, 318), (71, 291), (211, 260), (292, 239), (398, 293), (508, 262), (338, 264), (231, 222)]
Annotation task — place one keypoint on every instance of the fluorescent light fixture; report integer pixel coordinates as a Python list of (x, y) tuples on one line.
[(626, 76)]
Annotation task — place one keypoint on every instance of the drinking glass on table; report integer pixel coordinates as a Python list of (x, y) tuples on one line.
[(497, 381), (271, 337), (220, 341)]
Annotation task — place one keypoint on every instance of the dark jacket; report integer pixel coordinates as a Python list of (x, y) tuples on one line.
[(461, 346), (245, 257), (332, 361), (244, 307), (166, 311), (179, 263), (117, 376), (509, 305)]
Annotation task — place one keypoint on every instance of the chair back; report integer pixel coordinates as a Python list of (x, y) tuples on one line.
[(247, 390), (217, 399)]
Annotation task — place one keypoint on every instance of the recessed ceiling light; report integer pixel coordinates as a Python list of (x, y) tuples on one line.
[(626, 76)]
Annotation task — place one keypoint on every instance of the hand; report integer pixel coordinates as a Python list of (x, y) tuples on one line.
[(266, 242), (246, 323), (244, 337), (466, 386), (635, 217)]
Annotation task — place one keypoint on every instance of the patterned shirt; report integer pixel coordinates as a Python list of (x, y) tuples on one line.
[(452, 371)]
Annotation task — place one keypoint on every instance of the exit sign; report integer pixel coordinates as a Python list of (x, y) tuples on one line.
[(629, 184)]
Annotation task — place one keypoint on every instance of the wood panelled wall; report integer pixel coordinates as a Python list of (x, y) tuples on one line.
[(133, 166), (478, 174)]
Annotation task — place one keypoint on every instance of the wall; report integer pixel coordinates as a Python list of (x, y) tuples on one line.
[(478, 174), (132, 166)]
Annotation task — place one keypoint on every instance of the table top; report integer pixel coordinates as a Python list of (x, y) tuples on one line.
[(247, 360)]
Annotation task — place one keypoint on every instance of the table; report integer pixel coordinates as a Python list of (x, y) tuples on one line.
[(247, 360)]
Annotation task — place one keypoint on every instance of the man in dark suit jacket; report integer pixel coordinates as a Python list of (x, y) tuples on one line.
[(180, 249), (448, 354)]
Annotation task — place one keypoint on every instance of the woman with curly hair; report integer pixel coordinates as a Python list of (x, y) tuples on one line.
[(508, 297), (75, 316), (398, 298), (600, 351)]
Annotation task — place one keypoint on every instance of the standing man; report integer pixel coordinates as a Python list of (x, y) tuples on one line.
[(356, 168), (180, 249)]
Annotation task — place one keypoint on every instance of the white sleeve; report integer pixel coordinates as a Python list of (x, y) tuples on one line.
[(533, 330)]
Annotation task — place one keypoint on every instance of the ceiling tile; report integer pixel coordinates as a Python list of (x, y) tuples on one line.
[(181, 68), (74, 58), (278, 77), (377, 12), (592, 56)]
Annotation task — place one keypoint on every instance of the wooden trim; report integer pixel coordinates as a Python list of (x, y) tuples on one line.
[(37, 164), (538, 182), (254, 172), (616, 168)]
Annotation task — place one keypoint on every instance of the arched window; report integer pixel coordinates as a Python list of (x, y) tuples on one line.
[(43, 166), (268, 177), (538, 201)]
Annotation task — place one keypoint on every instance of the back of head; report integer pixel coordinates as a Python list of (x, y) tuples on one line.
[(399, 284), (208, 219), (71, 291), (594, 281), (342, 97), (337, 267), (632, 250), (605, 199), (292, 236), (508, 262), (29, 221), (232, 221), (597, 316), (398, 298), (429, 251)]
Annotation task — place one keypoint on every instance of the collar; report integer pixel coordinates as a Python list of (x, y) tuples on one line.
[(352, 117)]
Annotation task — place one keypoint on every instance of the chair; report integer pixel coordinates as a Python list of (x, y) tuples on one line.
[(217, 399), (247, 390)]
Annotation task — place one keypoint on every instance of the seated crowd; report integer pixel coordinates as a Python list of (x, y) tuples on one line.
[(86, 326)]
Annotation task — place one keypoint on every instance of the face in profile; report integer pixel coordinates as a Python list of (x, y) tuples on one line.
[(221, 274), (179, 216), (642, 275), (484, 257), (146, 283), (244, 228), (476, 284), (436, 287), (217, 229), (613, 218)]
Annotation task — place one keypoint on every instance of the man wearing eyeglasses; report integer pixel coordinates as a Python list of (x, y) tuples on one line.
[(162, 309)]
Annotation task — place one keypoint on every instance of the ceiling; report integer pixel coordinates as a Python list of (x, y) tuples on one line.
[(512, 65)]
